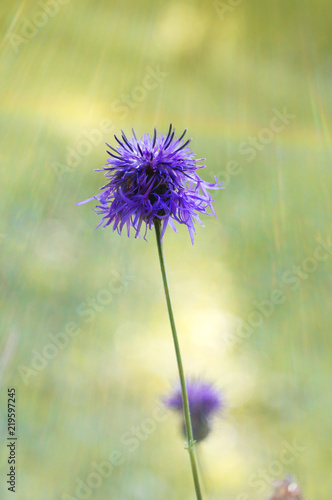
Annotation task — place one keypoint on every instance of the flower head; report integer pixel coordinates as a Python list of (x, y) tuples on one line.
[(286, 489), (204, 399), (152, 178)]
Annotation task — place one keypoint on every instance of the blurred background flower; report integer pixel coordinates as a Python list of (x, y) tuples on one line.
[(205, 401), (286, 489)]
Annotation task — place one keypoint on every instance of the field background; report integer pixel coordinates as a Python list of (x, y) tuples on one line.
[(224, 71)]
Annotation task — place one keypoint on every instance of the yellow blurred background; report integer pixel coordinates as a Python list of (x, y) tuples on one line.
[(85, 338)]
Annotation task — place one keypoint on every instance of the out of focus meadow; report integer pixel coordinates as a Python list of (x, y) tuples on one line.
[(85, 338)]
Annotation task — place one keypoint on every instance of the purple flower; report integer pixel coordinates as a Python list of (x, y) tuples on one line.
[(149, 179), (286, 489), (205, 400)]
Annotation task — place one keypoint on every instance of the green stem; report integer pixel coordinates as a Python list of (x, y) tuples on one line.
[(190, 445)]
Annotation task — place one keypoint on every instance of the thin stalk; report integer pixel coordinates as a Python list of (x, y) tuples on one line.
[(190, 445)]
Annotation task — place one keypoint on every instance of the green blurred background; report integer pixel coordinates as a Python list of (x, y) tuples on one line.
[(223, 69)]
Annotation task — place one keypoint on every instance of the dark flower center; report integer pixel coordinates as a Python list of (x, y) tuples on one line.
[(160, 188), (147, 180)]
